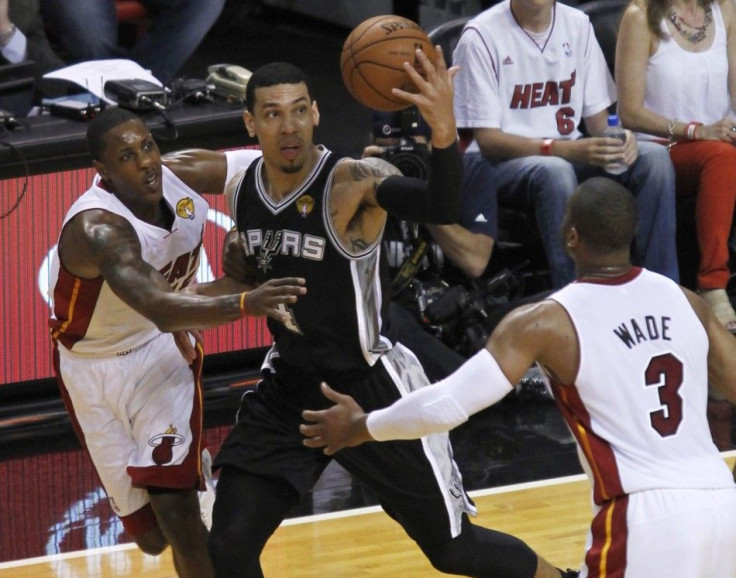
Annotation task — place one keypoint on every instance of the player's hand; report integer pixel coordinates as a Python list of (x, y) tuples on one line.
[(340, 426), (184, 343), (234, 263), (435, 96), (270, 298)]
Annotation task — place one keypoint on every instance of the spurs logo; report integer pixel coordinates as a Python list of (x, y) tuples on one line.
[(271, 244)]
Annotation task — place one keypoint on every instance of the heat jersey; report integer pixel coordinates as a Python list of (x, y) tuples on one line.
[(637, 406), (336, 326), (88, 318), (532, 88)]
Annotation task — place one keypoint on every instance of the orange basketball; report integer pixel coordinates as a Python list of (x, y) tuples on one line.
[(373, 56)]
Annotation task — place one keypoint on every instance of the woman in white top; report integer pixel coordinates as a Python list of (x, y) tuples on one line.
[(676, 78)]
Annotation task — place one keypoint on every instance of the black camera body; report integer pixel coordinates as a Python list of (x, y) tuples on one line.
[(410, 157), (460, 316)]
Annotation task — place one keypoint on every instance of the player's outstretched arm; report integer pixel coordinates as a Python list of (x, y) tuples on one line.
[(98, 243), (535, 332)]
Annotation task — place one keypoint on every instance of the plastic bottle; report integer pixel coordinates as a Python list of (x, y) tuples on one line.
[(615, 130)]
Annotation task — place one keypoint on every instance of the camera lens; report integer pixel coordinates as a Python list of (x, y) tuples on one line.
[(410, 165)]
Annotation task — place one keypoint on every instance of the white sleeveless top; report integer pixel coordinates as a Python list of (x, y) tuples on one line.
[(689, 86), (637, 406), (88, 318)]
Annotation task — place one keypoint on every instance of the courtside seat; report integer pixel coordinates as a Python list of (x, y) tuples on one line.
[(605, 16)]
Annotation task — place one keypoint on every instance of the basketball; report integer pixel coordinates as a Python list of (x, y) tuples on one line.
[(373, 56)]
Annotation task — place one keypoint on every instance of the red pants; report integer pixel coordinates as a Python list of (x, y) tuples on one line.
[(708, 169)]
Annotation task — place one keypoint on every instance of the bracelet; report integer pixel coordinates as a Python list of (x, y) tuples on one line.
[(545, 149), (690, 130), (242, 302), (671, 129), (7, 35)]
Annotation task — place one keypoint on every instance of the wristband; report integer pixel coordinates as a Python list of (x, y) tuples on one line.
[(242, 303), (545, 149), (690, 130)]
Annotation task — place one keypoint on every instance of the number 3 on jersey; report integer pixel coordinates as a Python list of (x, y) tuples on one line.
[(665, 373), (288, 319)]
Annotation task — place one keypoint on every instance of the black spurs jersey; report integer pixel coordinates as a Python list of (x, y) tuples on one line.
[(336, 326)]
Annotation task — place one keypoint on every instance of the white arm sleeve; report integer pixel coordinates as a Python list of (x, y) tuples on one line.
[(477, 384)]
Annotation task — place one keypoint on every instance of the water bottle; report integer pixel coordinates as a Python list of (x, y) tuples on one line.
[(615, 130)]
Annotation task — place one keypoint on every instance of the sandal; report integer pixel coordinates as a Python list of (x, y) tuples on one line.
[(721, 305)]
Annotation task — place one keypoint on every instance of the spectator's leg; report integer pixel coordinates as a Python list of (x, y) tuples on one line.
[(177, 28), (544, 184), (652, 180), (84, 29), (713, 167)]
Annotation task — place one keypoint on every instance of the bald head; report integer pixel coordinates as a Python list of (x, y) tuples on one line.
[(604, 214)]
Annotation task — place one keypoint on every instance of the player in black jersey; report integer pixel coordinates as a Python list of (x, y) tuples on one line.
[(302, 210)]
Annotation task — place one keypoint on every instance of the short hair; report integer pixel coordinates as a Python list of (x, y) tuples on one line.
[(271, 75), (103, 123), (604, 214)]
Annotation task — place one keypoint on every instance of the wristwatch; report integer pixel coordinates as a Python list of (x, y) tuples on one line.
[(7, 35)]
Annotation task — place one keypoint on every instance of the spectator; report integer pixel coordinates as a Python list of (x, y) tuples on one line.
[(88, 30), (528, 74), (22, 36), (692, 112)]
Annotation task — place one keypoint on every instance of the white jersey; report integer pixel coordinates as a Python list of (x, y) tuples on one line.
[(88, 318), (637, 406), (701, 94), (509, 81)]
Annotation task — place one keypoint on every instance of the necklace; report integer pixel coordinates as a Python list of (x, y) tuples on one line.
[(698, 33)]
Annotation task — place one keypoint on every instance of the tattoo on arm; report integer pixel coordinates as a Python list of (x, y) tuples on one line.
[(372, 168)]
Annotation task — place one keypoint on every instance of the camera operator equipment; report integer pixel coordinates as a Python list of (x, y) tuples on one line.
[(423, 260)]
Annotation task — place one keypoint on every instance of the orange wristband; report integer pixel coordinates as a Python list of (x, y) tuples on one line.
[(242, 303), (545, 149)]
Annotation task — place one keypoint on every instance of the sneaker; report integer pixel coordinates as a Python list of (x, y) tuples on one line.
[(569, 573), (721, 305), (207, 498)]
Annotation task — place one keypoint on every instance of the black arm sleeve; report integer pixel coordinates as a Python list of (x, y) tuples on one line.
[(437, 201)]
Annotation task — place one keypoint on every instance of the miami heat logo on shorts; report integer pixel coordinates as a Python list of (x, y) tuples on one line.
[(185, 209), (163, 445)]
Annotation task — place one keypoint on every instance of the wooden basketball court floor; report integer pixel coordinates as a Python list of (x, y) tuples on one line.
[(551, 516)]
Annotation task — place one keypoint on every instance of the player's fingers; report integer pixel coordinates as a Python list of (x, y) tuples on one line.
[(440, 63), (287, 281), (315, 442), (330, 393), (313, 416), (310, 430)]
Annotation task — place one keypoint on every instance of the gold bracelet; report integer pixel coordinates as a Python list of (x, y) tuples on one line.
[(242, 302)]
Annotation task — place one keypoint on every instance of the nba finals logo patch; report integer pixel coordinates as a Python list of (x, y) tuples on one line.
[(305, 205), (185, 209), (163, 444)]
